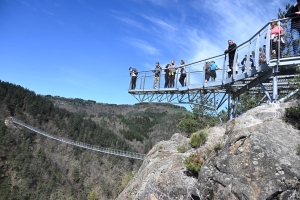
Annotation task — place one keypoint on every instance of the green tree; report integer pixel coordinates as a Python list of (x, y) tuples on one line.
[(248, 101), (200, 118)]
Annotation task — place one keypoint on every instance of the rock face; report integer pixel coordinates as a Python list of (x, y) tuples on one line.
[(257, 160), (162, 174)]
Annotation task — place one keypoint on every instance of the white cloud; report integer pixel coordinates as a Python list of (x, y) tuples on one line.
[(142, 45), (131, 22), (161, 23)]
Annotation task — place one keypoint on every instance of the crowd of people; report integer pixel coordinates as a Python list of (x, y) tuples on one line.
[(170, 72), (277, 45)]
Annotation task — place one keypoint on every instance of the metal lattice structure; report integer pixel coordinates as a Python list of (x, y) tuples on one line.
[(273, 69), (81, 144)]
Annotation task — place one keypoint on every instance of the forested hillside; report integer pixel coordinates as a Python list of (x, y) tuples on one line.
[(35, 167), (141, 125)]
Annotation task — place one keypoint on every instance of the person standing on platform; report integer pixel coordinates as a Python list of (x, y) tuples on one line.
[(244, 63), (172, 73), (156, 72), (231, 52), (182, 73), (166, 70), (213, 68), (207, 71), (133, 74)]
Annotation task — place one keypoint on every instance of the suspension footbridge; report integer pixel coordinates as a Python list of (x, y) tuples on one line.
[(81, 144), (271, 75)]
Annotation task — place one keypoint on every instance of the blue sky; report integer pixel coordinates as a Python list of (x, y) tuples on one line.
[(83, 48)]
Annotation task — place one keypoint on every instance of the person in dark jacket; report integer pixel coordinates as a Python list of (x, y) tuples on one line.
[(231, 51), (244, 63), (166, 70), (133, 74), (182, 73), (294, 11)]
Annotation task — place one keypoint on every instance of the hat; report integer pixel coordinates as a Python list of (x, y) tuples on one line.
[(130, 68), (157, 62)]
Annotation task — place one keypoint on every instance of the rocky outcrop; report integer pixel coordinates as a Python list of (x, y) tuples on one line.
[(163, 174), (257, 160)]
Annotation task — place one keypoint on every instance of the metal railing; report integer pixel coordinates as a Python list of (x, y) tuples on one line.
[(81, 144), (262, 48)]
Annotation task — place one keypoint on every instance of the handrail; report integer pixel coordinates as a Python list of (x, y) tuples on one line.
[(195, 70), (127, 154), (210, 58)]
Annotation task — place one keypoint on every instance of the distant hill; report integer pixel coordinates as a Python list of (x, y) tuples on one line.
[(35, 167), (141, 125)]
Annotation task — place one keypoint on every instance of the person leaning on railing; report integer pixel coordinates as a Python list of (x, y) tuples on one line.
[(276, 34), (244, 63), (182, 73), (172, 72), (166, 70), (294, 11), (213, 68), (231, 52)]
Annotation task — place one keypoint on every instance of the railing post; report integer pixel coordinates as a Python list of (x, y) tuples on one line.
[(144, 82), (234, 64), (247, 62), (268, 44), (189, 77), (278, 43), (256, 58), (223, 76)]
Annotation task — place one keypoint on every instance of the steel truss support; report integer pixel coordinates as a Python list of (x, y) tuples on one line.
[(210, 99), (288, 96), (275, 83), (265, 91)]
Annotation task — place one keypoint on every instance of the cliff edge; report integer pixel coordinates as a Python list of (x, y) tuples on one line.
[(257, 160)]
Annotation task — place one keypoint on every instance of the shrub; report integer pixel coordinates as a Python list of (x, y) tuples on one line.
[(181, 149), (217, 147), (293, 112), (160, 147), (198, 138), (193, 163)]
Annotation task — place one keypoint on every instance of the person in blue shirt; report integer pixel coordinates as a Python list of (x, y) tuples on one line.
[(213, 68)]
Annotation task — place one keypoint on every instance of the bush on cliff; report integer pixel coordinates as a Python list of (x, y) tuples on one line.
[(193, 163), (198, 138)]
